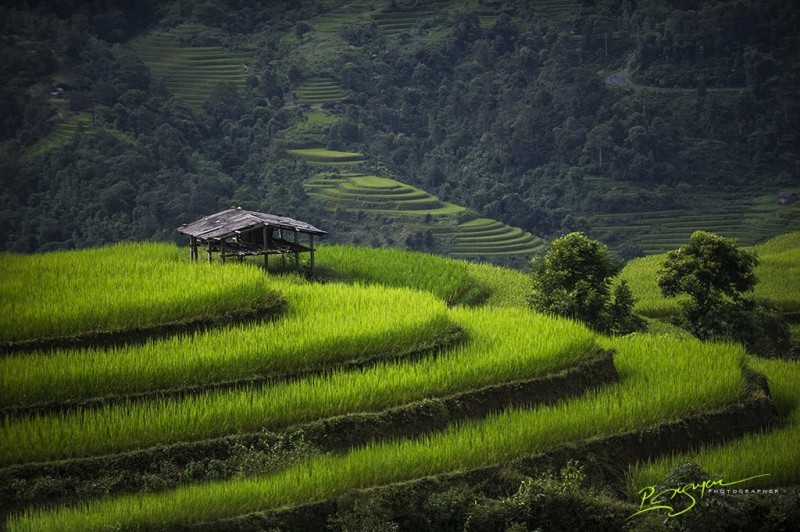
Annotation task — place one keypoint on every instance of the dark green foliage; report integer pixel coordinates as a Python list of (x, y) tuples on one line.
[(710, 269), (716, 274), (548, 501), (574, 280), (513, 119), (224, 458), (621, 316)]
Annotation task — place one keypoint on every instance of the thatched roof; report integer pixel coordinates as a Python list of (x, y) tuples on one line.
[(230, 222)]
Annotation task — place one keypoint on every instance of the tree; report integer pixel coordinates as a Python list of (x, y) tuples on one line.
[(715, 274), (574, 280)]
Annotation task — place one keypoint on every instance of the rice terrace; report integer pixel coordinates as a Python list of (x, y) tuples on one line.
[(548, 277), (413, 371)]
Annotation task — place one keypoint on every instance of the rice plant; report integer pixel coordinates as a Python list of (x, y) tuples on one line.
[(507, 288), (770, 453), (663, 379), (447, 279), (118, 287), (505, 345), (324, 325)]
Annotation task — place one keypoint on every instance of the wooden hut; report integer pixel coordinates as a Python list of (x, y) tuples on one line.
[(240, 233)]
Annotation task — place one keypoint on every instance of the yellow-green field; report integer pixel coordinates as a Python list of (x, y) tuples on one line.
[(377, 305)]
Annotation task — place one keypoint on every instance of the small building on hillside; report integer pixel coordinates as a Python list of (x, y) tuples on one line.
[(239, 233), (786, 197)]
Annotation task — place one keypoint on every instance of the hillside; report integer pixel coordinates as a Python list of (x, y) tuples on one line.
[(384, 391), (634, 123)]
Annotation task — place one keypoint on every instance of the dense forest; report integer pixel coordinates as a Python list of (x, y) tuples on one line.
[(539, 122)]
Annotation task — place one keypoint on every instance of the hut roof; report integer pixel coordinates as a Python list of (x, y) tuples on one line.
[(229, 222)]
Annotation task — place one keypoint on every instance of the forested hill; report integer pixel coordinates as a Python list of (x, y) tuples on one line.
[(635, 121)]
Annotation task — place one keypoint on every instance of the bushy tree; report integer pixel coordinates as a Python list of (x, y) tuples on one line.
[(715, 274), (574, 280), (718, 276)]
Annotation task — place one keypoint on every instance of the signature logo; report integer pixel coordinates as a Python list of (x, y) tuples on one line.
[(688, 494)]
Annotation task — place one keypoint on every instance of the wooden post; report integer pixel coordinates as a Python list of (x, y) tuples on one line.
[(311, 237), (266, 250), (222, 250), (296, 253), (209, 251), (193, 248)]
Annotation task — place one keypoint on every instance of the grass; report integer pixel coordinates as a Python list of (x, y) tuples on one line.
[(755, 454), (656, 373), (374, 321), (118, 287), (504, 352)]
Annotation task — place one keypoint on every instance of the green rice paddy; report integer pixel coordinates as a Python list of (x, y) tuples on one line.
[(380, 321), (769, 453), (481, 237), (749, 217), (492, 357), (447, 279), (484, 236), (655, 373), (395, 302), (116, 288)]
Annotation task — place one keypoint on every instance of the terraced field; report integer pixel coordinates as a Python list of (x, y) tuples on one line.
[(62, 133), (561, 10), (484, 236), (190, 72), (392, 23), (478, 238), (750, 217), (761, 455), (378, 194), (318, 90), (778, 273), (407, 397), (323, 157), (331, 22)]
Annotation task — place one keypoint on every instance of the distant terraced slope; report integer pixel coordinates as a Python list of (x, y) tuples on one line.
[(323, 157), (741, 215), (378, 194), (392, 23), (416, 210), (484, 236), (62, 133), (190, 72), (557, 9), (318, 90)]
